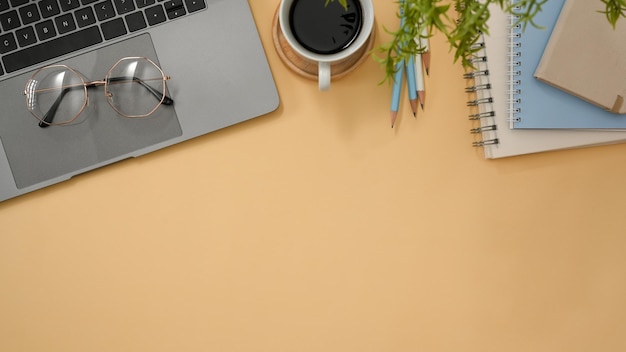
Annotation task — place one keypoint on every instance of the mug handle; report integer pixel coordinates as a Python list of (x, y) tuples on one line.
[(324, 75)]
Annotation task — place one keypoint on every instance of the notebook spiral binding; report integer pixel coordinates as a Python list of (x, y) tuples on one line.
[(480, 100), (514, 66)]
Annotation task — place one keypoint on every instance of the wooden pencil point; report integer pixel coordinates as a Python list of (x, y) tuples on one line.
[(414, 106), (421, 95), (394, 116)]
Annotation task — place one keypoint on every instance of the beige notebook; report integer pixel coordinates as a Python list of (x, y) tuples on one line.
[(586, 57)]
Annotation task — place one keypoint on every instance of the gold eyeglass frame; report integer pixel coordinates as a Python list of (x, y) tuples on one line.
[(28, 91)]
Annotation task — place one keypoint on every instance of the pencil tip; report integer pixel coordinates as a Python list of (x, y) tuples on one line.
[(414, 106), (422, 98), (394, 115)]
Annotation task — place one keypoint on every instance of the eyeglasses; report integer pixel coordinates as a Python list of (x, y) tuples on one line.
[(134, 87)]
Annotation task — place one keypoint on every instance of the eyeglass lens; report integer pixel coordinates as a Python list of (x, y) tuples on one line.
[(56, 95), (135, 87)]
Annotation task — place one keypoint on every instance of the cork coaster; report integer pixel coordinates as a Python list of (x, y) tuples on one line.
[(308, 68)]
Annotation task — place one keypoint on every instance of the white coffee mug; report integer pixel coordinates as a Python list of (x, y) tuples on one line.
[(325, 60)]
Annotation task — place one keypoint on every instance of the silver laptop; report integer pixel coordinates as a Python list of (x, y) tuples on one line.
[(210, 49)]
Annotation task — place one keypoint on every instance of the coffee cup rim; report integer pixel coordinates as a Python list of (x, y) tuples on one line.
[(360, 40)]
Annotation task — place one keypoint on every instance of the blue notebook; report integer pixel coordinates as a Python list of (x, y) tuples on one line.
[(538, 105)]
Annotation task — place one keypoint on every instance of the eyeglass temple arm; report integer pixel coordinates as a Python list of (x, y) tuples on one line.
[(49, 116)]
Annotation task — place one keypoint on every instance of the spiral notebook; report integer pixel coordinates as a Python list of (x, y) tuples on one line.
[(493, 100), (542, 106)]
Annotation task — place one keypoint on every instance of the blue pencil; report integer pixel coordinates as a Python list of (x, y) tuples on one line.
[(412, 83), (395, 93), (398, 78)]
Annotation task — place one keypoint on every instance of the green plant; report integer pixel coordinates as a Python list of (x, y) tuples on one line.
[(461, 22)]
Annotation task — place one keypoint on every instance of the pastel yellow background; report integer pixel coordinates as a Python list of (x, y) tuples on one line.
[(320, 228)]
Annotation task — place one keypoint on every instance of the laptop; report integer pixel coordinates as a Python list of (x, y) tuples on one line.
[(210, 49)]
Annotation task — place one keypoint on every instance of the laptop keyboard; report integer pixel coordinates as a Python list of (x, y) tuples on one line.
[(36, 31)]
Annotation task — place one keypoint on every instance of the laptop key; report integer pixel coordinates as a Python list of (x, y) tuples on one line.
[(85, 17), (124, 6), (175, 13), (140, 3), (135, 21), (29, 14), (54, 48), (155, 15), (172, 4), (113, 28), (7, 43), (195, 5), (67, 5), (104, 10), (9, 20), (49, 8), (65, 23), (16, 3), (26, 36), (45, 30)]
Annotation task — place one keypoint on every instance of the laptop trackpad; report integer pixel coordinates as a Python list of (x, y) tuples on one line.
[(98, 137)]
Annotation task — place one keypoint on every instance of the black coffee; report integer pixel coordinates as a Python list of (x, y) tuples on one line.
[(325, 29)]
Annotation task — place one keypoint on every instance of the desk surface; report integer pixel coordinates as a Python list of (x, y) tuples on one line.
[(320, 228)]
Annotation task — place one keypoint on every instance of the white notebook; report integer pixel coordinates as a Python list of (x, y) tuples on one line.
[(492, 102)]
